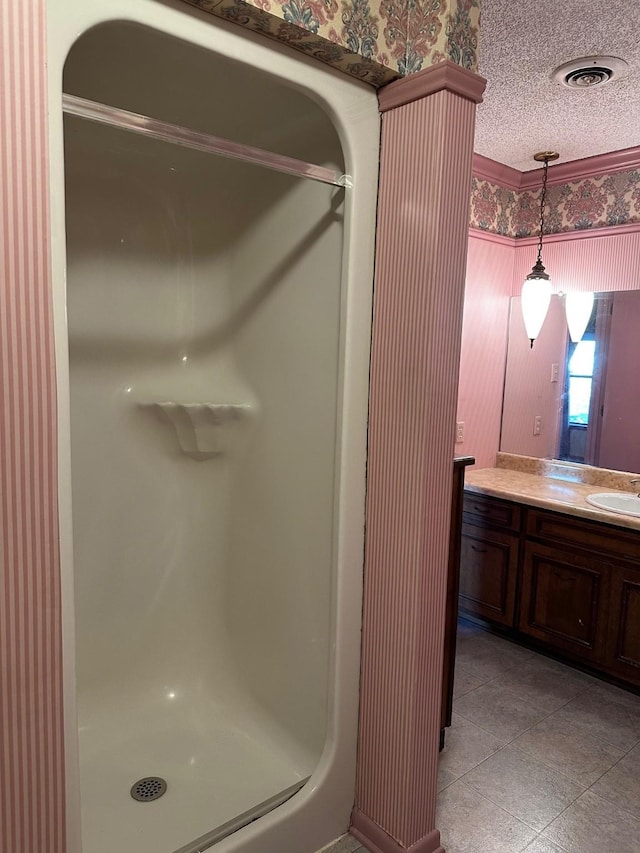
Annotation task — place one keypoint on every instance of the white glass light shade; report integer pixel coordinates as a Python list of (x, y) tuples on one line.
[(578, 307), (535, 299)]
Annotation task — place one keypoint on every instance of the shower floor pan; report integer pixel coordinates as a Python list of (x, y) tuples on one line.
[(215, 771)]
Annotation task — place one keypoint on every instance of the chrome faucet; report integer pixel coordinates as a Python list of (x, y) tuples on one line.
[(635, 482)]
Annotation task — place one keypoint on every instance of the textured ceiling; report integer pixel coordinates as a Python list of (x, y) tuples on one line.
[(524, 111)]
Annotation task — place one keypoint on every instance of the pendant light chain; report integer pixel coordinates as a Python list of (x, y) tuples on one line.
[(536, 290), (543, 198)]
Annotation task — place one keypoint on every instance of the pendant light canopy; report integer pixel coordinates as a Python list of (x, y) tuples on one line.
[(536, 290)]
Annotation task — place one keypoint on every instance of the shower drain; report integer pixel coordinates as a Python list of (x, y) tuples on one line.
[(147, 789)]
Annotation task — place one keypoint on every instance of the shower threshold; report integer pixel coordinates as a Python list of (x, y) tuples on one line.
[(205, 842)]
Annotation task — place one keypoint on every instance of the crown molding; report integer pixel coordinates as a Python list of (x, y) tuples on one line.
[(496, 173), (562, 173), (445, 75), (589, 167)]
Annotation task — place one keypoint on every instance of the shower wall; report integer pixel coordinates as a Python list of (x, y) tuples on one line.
[(289, 263), (203, 576), (193, 279)]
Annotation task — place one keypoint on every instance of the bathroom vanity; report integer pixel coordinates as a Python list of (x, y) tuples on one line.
[(543, 566)]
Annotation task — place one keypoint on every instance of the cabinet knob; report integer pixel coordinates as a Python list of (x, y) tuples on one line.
[(581, 623)]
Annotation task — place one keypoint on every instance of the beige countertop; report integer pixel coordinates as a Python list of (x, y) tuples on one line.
[(546, 492)]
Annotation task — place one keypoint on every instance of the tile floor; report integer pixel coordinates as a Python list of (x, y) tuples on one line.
[(540, 757), (346, 844)]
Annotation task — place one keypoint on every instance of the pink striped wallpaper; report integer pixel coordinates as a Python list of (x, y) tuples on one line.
[(600, 262), (31, 742), (484, 346), (421, 251)]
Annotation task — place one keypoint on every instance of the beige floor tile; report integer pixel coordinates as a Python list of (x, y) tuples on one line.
[(593, 825), (346, 844), (557, 743), (489, 656), (542, 845), (594, 713), (445, 778), (469, 823), (616, 694), (499, 710), (621, 785), (545, 683), (465, 680), (465, 746), (523, 786)]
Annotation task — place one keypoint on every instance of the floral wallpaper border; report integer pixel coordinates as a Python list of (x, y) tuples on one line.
[(601, 201), (376, 41)]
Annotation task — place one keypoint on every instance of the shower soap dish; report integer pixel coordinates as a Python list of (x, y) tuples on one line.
[(202, 428)]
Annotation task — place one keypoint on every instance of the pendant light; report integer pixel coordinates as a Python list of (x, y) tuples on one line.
[(536, 290), (578, 308)]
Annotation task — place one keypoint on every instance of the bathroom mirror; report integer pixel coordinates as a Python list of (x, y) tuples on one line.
[(576, 402)]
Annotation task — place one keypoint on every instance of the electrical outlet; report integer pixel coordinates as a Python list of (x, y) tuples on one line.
[(459, 432), (537, 425), (555, 372)]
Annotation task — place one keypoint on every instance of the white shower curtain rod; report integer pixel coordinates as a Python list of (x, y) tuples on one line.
[(155, 129)]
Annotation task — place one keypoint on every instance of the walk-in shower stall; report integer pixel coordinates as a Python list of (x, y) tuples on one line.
[(214, 197)]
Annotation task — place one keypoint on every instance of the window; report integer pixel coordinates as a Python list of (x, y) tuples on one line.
[(580, 381)]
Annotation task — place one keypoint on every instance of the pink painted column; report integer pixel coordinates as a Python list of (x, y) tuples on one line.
[(31, 739), (423, 220)]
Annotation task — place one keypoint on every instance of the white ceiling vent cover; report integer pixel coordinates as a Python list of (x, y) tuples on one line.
[(590, 71)]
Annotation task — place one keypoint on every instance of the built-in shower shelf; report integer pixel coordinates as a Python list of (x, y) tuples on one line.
[(202, 429)]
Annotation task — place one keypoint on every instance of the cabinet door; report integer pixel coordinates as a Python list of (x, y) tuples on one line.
[(623, 651), (564, 600), (488, 567)]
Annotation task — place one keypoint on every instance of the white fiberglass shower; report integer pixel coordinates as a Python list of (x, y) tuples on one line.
[(217, 369)]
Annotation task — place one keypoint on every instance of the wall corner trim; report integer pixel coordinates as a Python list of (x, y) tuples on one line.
[(582, 234), (376, 840), (444, 75)]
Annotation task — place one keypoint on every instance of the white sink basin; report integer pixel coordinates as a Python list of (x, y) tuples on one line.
[(616, 502)]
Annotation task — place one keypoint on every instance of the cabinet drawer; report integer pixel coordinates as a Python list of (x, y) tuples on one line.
[(488, 567), (565, 600), (568, 530), (482, 509)]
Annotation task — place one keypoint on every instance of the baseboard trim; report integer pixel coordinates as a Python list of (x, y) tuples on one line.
[(376, 840)]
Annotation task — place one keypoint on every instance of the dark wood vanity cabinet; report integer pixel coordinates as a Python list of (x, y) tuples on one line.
[(563, 600), (569, 585), (488, 568), (489, 558), (623, 649)]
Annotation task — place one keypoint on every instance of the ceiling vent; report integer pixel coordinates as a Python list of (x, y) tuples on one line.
[(590, 71)]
